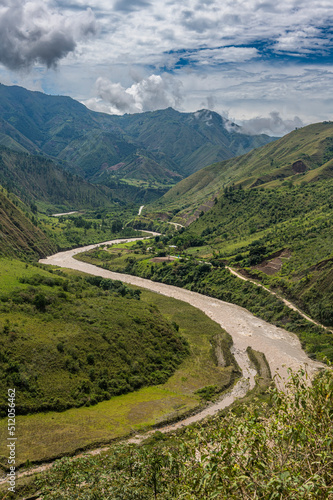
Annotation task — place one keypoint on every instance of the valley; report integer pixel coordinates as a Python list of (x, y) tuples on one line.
[(128, 154), (281, 350), (166, 285)]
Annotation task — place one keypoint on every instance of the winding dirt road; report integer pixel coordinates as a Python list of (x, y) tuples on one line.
[(285, 301)]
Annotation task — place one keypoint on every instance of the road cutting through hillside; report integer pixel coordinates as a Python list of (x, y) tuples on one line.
[(285, 301)]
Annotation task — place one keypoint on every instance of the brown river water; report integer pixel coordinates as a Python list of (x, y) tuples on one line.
[(281, 348)]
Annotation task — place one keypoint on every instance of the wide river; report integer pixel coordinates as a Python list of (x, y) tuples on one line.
[(281, 348)]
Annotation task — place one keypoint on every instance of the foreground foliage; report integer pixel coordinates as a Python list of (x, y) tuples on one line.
[(276, 451)]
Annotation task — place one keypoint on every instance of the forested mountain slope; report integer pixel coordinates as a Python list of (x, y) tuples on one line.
[(19, 234), (191, 140), (304, 155), (36, 179), (282, 236)]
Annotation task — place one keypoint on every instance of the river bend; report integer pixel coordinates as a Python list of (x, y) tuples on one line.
[(282, 349)]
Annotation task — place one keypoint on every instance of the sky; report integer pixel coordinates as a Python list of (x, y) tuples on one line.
[(263, 64)]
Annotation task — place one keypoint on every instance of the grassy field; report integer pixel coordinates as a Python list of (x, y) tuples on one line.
[(278, 449), (49, 435), (69, 341)]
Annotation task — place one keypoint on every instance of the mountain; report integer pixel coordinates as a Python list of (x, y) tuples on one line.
[(269, 213), (281, 236), (302, 156), (191, 140), (158, 148), (34, 178)]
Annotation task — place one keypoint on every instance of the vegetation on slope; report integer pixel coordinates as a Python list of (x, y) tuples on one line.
[(200, 374), (89, 227), (280, 450), (250, 228), (37, 179), (304, 155), (106, 148), (75, 341), (19, 234), (190, 140), (29, 234)]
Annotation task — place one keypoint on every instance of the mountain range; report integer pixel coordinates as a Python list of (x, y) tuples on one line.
[(147, 152), (71, 342)]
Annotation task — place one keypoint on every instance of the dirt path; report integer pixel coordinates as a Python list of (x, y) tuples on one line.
[(176, 224), (64, 213), (285, 301)]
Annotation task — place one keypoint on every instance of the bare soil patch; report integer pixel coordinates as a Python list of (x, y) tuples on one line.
[(168, 258), (274, 265)]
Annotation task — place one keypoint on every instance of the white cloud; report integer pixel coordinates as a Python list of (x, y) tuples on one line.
[(254, 90), (154, 92), (271, 125), (306, 40), (214, 57), (239, 56)]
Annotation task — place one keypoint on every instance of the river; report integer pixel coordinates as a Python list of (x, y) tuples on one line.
[(282, 349)]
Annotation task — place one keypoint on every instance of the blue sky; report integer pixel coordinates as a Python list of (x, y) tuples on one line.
[(264, 64)]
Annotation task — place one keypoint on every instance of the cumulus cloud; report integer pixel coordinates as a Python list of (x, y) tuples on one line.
[(271, 125), (154, 92), (31, 33)]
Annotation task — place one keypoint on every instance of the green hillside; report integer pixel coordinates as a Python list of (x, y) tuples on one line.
[(190, 140), (282, 236), (279, 450), (68, 342), (80, 140), (19, 234), (304, 155), (37, 179), (36, 188), (141, 170)]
